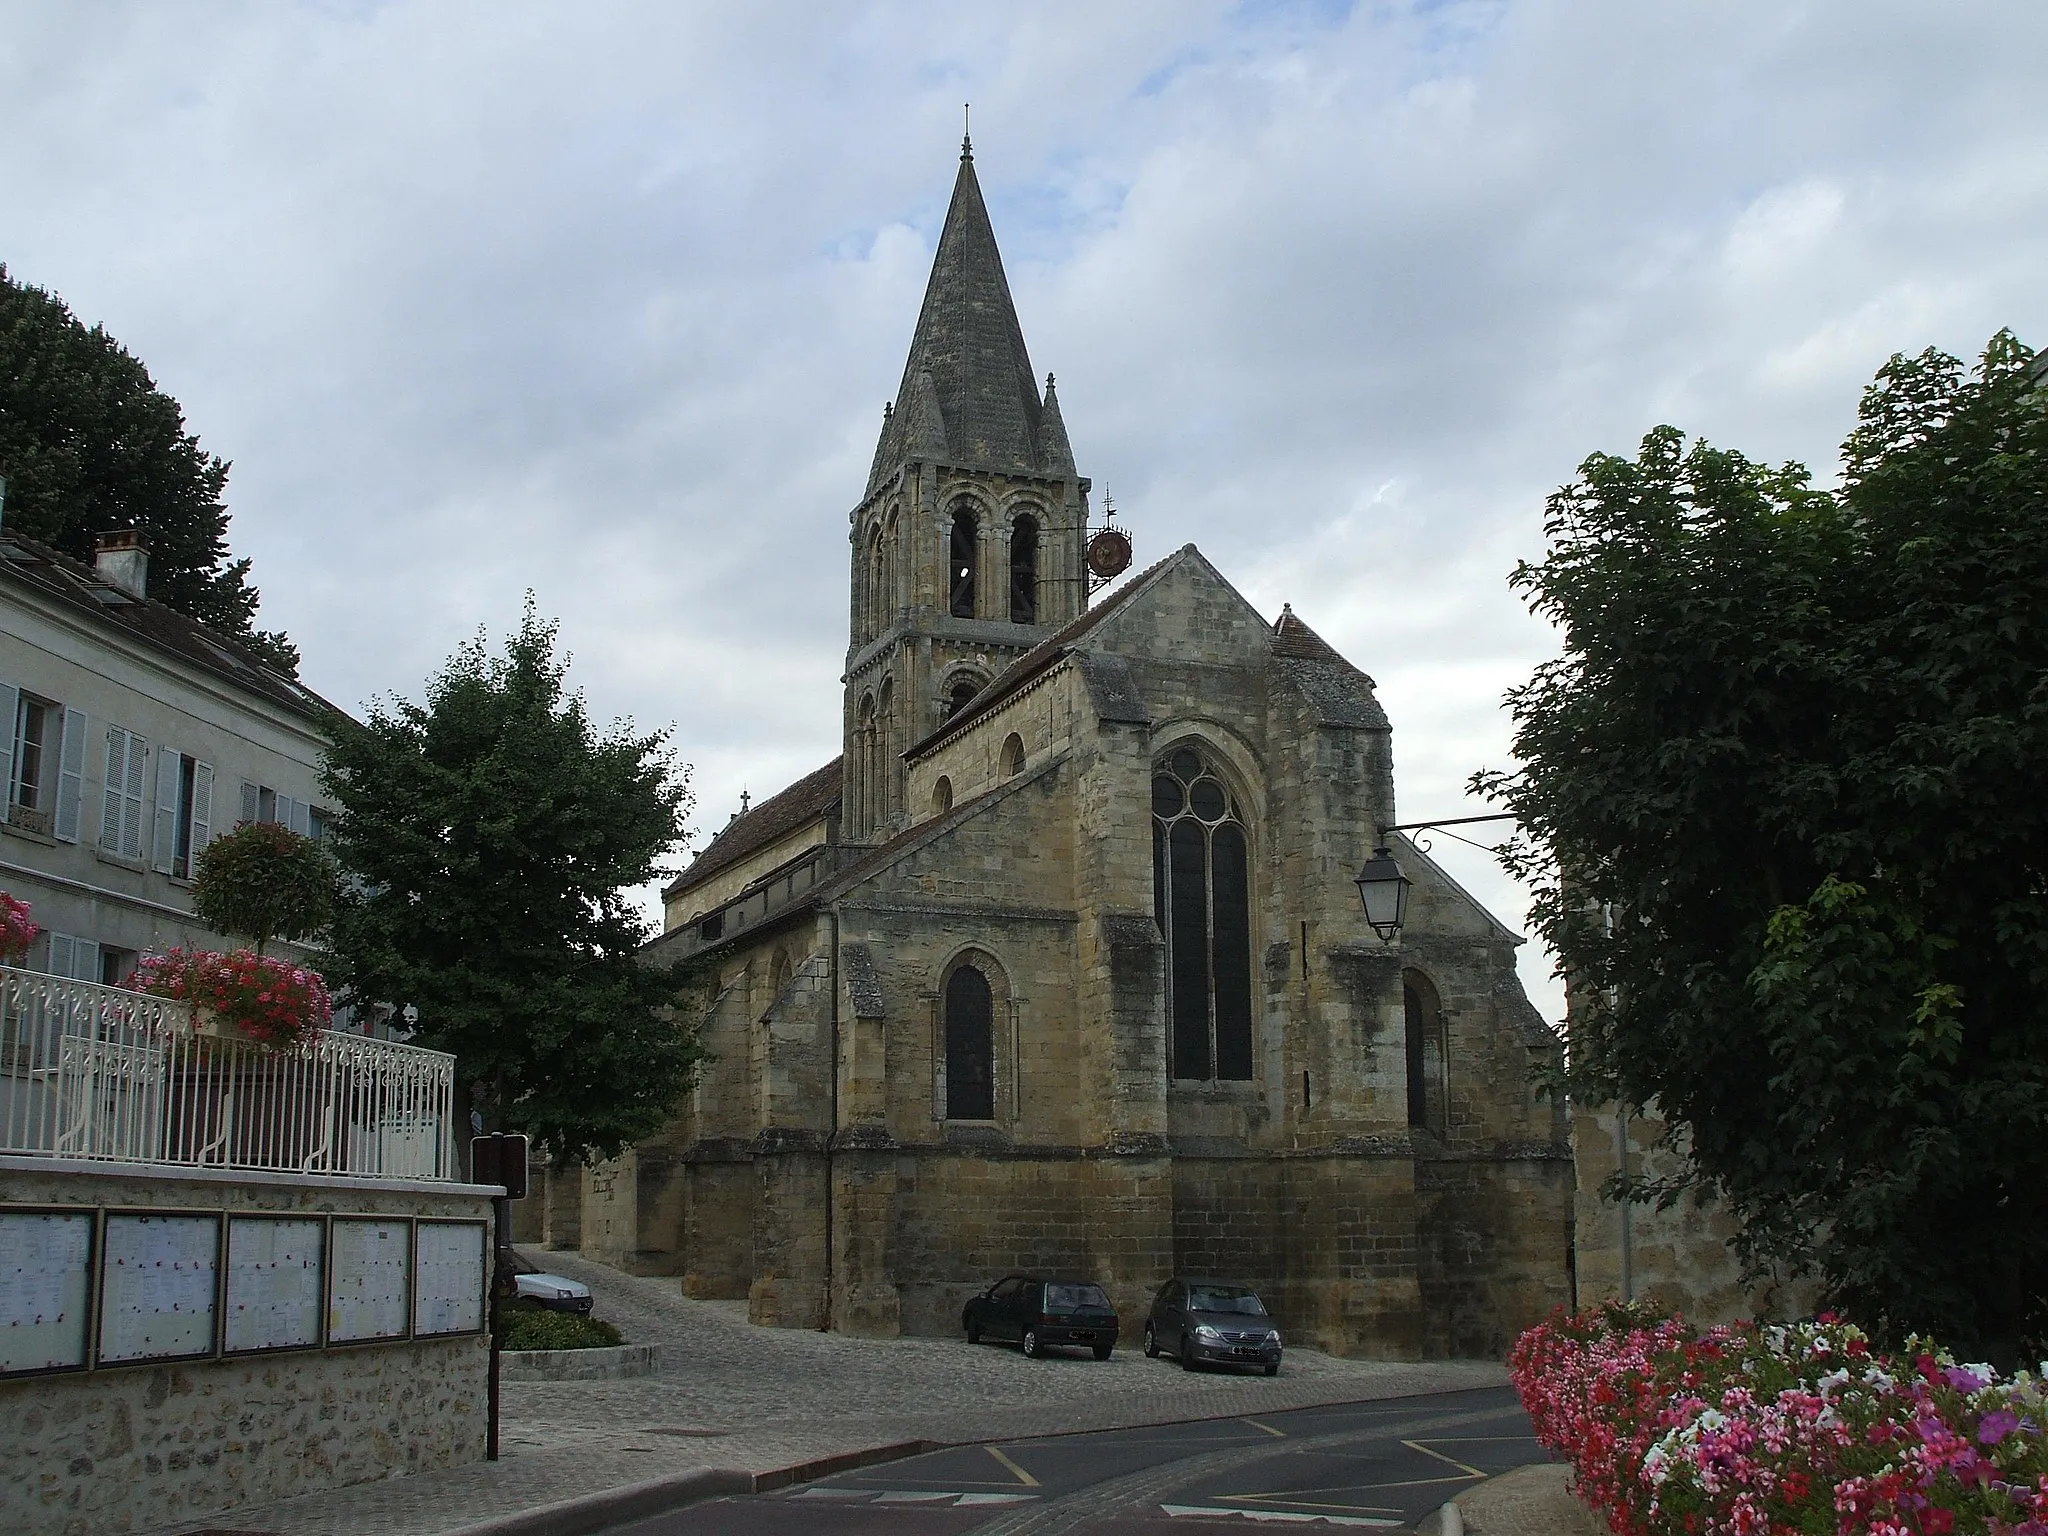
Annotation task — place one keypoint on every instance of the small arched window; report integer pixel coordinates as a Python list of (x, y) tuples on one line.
[(1012, 762), (942, 796), (961, 560), (1201, 883), (1024, 571), (1425, 1041), (970, 1046), (960, 695)]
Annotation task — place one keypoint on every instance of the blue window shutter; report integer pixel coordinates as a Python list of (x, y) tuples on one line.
[(165, 854), (71, 776)]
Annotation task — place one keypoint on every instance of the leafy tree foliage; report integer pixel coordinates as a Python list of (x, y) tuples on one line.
[(263, 882), (492, 834), (88, 443), (1786, 779)]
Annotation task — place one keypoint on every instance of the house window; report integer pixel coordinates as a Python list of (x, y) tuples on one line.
[(262, 803), (1024, 571), (42, 764), (961, 556), (970, 1046), (1202, 898), (184, 812), (70, 956), (126, 784)]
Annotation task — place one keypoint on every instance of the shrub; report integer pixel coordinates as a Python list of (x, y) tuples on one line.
[(557, 1330), (271, 1002), (1800, 1430), (262, 882)]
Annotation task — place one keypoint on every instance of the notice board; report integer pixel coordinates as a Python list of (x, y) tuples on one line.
[(449, 1294), (157, 1287), (274, 1282), (369, 1279), (45, 1289)]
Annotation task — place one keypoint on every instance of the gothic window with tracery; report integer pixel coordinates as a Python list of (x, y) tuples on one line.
[(962, 552), (1024, 571), (970, 1046), (1201, 883)]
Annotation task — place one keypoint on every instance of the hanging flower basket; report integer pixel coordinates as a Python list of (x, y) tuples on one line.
[(17, 931), (241, 995)]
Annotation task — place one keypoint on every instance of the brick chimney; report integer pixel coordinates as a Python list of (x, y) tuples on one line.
[(122, 558)]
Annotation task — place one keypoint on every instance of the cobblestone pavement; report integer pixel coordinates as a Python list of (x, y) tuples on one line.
[(728, 1394)]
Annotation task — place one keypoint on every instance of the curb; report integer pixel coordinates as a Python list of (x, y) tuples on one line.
[(642, 1501), (609, 1362)]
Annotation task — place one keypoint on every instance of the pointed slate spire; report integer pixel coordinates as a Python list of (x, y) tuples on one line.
[(1054, 452), (969, 345), (875, 469)]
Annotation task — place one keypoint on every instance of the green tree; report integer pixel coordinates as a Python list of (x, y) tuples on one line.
[(88, 443), (263, 882), (1788, 767), (492, 834)]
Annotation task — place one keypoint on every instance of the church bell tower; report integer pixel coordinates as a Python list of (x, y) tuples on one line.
[(967, 548)]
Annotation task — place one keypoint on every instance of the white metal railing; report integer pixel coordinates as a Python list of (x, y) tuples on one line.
[(101, 1072)]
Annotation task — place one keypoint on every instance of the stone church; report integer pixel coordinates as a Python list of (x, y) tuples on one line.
[(1060, 966)]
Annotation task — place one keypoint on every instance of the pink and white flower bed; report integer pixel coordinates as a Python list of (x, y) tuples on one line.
[(1796, 1429)]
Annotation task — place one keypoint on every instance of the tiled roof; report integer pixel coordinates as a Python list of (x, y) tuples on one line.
[(805, 801), (1339, 692), (81, 589)]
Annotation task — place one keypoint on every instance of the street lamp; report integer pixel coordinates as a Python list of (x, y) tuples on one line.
[(1384, 888)]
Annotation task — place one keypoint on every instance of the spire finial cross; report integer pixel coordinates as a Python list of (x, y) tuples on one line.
[(966, 131)]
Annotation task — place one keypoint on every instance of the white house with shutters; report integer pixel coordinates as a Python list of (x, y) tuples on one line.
[(130, 735)]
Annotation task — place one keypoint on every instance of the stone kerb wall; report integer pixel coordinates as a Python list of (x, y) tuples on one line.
[(130, 1447)]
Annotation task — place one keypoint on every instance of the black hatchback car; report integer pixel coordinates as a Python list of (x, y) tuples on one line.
[(1043, 1314), (1212, 1322)]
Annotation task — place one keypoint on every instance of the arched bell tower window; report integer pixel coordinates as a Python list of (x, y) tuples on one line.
[(960, 693), (970, 1046), (961, 562), (1201, 883), (1024, 571), (877, 582)]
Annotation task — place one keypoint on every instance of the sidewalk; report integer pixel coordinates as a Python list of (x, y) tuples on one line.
[(729, 1396), (1530, 1501)]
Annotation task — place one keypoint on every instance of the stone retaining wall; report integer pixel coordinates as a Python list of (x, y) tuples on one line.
[(127, 1448)]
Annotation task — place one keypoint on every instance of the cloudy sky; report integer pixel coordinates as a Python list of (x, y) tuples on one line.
[(603, 300)]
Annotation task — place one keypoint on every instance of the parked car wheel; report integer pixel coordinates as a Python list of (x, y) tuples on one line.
[(1187, 1355), (1151, 1343), (973, 1331), (1103, 1351), (1030, 1344)]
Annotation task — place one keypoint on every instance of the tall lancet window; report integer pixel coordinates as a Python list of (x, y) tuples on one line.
[(1024, 571), (1201, 883), (970, 1046), (960, 570)]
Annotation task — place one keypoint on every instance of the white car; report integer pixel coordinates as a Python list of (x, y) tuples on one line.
[(558, 1293)]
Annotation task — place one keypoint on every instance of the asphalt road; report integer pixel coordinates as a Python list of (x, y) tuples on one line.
[(1363, 1466)]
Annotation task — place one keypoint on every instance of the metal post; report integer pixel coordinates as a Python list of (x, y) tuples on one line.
[(501, 1275)]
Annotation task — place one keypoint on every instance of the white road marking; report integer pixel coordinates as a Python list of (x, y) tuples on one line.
[(947, 1497)]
